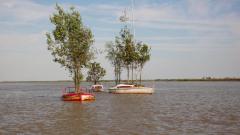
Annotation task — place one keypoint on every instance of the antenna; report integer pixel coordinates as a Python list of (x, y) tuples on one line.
[(133, 19), (124, 17)]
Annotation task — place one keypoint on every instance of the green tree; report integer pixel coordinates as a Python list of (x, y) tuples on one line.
[(70, 42), (114, 55), (143, 56), (128, 50), (96, 72), (126, 53)]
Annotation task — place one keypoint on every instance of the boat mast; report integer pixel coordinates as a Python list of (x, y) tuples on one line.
[(124, 18), (133, 29)]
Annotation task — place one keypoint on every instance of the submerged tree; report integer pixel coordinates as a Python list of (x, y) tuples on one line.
[(143, 51), (128, 50), (121, 53), (70, 42), (96, 72), (114, 55), (126, 53)]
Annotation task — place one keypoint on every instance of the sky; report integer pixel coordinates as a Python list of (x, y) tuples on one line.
[(188, 38)]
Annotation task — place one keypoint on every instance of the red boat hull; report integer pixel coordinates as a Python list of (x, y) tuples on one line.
[(78, 97)]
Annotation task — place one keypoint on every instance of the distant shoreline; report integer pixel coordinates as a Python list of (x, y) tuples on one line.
[(166, 80), (205, 80)]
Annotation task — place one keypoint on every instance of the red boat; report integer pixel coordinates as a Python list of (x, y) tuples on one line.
[(69, 94)]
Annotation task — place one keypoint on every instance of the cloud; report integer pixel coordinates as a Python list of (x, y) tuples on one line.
[(25, 57), (103, 10), (180, 33), (24, 11), (149, 13), (21, 39), (200, 16), (198, 8)]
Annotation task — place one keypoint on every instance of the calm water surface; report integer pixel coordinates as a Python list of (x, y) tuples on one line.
[(175, 108)]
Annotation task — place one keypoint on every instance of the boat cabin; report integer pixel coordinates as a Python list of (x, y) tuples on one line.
[(97, 88), (124, 86)]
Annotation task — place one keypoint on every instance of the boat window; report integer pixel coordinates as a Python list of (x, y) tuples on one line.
[(124, 86)]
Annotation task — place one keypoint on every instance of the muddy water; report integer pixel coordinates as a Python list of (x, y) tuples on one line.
[(175, 108)]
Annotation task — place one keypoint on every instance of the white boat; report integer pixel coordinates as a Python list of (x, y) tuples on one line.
[(97, 88), (130, 89)]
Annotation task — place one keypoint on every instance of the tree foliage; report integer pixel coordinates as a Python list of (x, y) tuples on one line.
[(128, 49), (114, 55), (96, 72), (70, 42), (125, 52), (143, 51)]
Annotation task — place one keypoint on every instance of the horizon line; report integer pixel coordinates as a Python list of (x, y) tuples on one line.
[(164, 79)]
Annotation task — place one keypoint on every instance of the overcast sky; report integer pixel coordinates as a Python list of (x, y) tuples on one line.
[(189, 38)]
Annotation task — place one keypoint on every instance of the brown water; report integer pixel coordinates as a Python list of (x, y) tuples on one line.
[(175, 108)]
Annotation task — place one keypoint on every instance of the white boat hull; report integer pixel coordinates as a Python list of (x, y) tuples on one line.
[(134, 90)]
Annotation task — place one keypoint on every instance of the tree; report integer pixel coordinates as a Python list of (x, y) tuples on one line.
[(122, 53), (143, 56), (70, 42), (114, 55), (96, 72), (128, 50), (126, 53)]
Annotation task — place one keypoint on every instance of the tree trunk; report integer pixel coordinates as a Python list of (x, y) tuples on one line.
[(132, 73), (95, 82), (141, 76), (119, 77), (75, 80), (116, 74), (77, 76), (128, 74), (136, 75), (78, 81)]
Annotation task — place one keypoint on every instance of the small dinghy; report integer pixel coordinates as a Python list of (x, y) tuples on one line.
[(97, 88), (69, 94)]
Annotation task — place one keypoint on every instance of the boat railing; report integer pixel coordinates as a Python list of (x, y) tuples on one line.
[(72, 89), (85, 89)]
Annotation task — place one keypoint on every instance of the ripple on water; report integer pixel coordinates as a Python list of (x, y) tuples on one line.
[(175, 108)]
